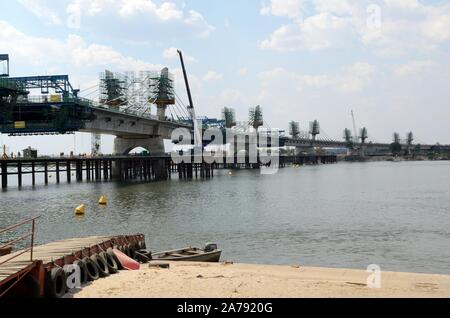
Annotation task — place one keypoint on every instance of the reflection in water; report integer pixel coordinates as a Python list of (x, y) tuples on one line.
[(395, 215)]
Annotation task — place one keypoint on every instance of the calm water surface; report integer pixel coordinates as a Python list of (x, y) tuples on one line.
[(396, 215)]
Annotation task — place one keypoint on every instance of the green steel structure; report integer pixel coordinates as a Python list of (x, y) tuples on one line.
[(56, 110)]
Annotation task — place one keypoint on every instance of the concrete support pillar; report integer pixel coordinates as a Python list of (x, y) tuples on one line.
[(363, 150), (161, 112), (161, 170), (311, 150), (123, 146), (298, 151)]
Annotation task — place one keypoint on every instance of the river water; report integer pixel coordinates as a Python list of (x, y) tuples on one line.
[(348, 215)]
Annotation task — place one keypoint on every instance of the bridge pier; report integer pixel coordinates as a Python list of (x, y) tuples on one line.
[(160, 169), (123, 146), (154, 145), (4, 175)]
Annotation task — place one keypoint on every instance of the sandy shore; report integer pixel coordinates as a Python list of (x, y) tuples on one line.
[(199, 280)]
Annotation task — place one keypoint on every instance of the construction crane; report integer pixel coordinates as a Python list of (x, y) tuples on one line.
[(197, 129)]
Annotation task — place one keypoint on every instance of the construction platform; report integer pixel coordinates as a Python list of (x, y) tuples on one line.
[(15, 266)]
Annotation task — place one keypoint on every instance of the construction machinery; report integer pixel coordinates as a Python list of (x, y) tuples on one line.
[(197, 129)]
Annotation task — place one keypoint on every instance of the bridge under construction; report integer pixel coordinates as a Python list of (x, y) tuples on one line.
[(123, 109)]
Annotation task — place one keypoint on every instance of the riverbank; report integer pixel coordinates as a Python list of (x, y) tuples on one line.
[(201, 280)]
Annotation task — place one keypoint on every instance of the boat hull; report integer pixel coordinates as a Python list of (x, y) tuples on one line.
[(5, 251), (210, 257)]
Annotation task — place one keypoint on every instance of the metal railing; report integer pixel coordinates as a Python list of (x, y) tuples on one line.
[(11, 243)]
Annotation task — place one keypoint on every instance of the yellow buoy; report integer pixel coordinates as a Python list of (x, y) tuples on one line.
[(102, 200), (80, 210)]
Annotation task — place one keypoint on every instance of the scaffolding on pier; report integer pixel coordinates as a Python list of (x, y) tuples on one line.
[(113, 89)]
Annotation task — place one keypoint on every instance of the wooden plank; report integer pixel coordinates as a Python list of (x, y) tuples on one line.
[(47, 253), (10, 269)]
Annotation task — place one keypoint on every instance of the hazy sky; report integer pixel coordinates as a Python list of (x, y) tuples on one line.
[(388, 60)]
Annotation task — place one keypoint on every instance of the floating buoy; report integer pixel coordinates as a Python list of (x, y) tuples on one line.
[(80, 210), (102, 200)]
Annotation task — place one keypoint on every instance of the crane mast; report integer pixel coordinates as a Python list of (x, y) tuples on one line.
[(186, 81), (197, 131)]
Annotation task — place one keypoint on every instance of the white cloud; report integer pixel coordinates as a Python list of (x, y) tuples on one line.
[(413, 68), (145, 10), (351, 79), (437, 27), (172, 53), (196, 19), (231, 96), (166, 11), (212, 76), (41, 9), (289, 8), (317, 32), (408, 26), (73, 51), (338, 7), (405, 25), (243, 71)]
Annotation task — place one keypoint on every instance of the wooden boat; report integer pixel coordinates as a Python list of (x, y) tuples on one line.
[(5, 251), (210, 254)]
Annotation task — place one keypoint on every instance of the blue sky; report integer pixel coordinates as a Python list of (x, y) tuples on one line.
[(388, 60)]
